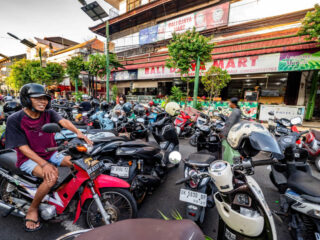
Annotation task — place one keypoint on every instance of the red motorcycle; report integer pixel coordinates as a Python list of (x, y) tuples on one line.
[(102, 199), (312, 144), (184, 125)]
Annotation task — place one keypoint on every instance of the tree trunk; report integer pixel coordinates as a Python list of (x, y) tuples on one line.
[(186, 100)]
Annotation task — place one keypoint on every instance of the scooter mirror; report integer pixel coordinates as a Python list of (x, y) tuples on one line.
[(175, 157), (271, 113), (296, 121), (51, 128)]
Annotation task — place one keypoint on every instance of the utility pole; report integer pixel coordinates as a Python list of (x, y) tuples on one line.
[(108, 62), (196, 83)]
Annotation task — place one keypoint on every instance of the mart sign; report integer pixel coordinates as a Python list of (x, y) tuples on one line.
[(251, 64)]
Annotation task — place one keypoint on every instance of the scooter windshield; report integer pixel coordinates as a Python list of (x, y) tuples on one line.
[(263, 141)]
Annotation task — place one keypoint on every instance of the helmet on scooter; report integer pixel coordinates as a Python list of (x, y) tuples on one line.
[(12, 106), (104, 106), (151, 103), (127, 107), (33, 90), (139, 110), (172, 108), (95, 103), (249, 138)]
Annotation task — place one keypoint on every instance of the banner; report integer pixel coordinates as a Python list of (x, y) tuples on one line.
[(212, 17), (299, 61), (281, 111), (251, 64), (125, 75), (148, 35)]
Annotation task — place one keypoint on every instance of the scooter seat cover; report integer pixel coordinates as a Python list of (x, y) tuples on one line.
[(137, 229), (304, 183), (200, 159)]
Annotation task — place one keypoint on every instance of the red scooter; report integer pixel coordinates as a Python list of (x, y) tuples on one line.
[(184, 125), (312, 144), (82, 189)]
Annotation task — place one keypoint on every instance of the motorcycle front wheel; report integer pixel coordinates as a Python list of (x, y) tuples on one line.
[(317, 163), (118, 203)]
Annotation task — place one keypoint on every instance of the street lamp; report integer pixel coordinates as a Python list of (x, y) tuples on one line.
[(96, 12), (28, 44)]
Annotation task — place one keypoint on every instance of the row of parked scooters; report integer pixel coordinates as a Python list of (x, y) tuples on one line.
[(112, 177), (236, 195)]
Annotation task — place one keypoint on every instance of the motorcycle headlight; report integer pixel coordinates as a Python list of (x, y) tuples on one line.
[(89, 148), (175, 157)]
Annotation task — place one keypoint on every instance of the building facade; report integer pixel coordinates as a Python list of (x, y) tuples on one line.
[(255, 41)]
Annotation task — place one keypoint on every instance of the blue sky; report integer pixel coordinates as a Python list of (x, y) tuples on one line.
[(43, 18)]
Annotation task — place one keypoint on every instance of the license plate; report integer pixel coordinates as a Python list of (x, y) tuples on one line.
[(120, 171), (229, 235), (193, 197), (297, 155), (95, 170)]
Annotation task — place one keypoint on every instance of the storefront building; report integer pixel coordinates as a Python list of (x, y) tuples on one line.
[(264, 55)]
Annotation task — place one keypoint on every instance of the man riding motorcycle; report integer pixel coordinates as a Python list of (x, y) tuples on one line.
[(24, 134)]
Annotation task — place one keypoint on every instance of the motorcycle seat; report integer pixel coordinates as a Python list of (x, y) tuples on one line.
[(139, 143), (304, 183), (316, 134), (109, 139), (200, 159), (8, 161), (310, 198), (155, 229)]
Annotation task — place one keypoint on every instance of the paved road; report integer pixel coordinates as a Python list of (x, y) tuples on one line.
[(164, 199)]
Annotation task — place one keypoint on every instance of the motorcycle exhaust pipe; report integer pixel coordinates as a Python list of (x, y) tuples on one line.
[(8, 209)]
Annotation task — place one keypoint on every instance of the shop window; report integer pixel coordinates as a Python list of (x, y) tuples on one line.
[(132, 4)]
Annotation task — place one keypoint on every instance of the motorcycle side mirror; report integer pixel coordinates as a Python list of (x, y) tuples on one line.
[(220, 108), (51, 128), (271, 113), (296, 121)]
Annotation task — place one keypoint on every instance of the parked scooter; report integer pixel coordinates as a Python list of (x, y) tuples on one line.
[(184, 125), (145, 165), (312, 144), (241, 205), (83, 189), (294, 158)]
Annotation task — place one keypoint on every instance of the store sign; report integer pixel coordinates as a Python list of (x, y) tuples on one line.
[(288, 112), (299, 61), (125, 75), (251, 64), (213, 17)]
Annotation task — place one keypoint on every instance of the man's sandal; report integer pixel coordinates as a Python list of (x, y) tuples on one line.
[(32, 229)]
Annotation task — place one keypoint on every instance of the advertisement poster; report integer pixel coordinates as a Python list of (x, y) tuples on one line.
[(179, 25), (300, 60), (281, 111), (213, 17), (148, 35), (125, 75)]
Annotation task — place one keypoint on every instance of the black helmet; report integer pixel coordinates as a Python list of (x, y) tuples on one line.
[(139, 110), (127, 107), (33, 90), (104, 106), (95, 103), (11, 106)]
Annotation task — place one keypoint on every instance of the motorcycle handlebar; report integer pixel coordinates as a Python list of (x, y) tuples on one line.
[(53, 149), (263, 162), (183, 180)]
